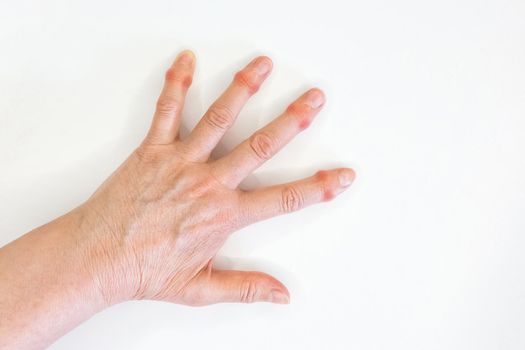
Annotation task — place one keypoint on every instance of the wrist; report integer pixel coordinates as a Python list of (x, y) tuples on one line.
[(106, 259), (74, 246)]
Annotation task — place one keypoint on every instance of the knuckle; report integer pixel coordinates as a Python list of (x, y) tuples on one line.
[(248, 291), (167, 106), (298, 109), (146, 156), (322, 176), (326, 187), (197, 190), (219, 117), (262, 145), (247, 81), (291, 199), (176, 76)]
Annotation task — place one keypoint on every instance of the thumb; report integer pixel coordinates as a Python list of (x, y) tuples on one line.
[(230, 286)]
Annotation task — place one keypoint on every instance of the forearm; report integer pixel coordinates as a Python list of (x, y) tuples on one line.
[(45, 287)]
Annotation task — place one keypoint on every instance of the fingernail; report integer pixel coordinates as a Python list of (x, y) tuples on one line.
[(315, 98), (262, 66), (279, 297), (346, 177), (186, 57)]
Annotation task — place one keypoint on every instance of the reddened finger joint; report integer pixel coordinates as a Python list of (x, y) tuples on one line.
[(328, 195), (304, 123), (302, 113), (247, 80), (323, 177), (299, 109), (176, 76)]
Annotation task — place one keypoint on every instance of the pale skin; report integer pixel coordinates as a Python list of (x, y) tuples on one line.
[(152, 230)]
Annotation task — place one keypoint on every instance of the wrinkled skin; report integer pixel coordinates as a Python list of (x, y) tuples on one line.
[(164, 214), (152, 229)]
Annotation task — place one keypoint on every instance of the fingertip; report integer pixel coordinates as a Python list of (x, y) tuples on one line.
[(186, 57), (315, 98), (346, 177), (318, 90), (279, 296), (263, 65), (266, 59), (278, 293), (334, 181)]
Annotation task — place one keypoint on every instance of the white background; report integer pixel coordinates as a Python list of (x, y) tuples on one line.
[(426, 100)]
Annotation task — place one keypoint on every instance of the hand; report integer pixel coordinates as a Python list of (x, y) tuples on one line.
[(152, 229), (160, 219)]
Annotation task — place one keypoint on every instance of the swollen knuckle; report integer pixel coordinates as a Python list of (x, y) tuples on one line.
[(262, 145), (247, 81), (177, 76), (326, 185), (291, 199), (219, 117), (298, 109), (167, 106)]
